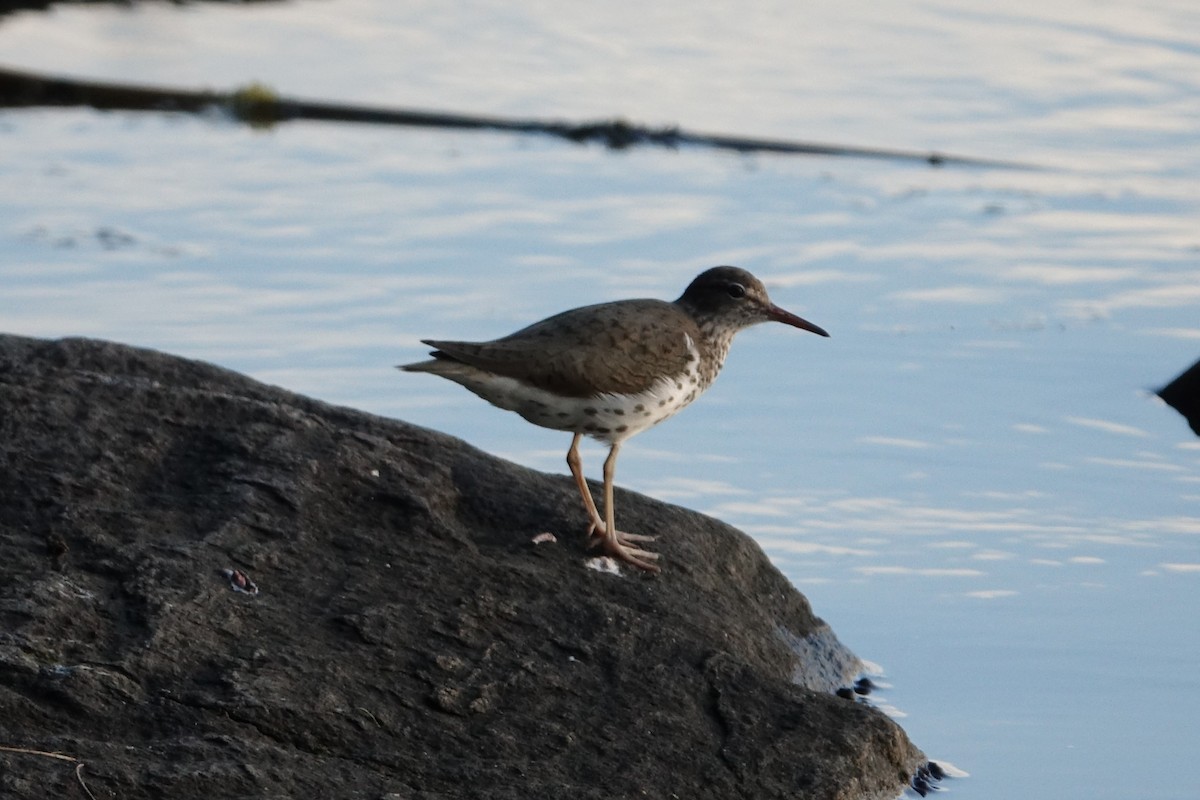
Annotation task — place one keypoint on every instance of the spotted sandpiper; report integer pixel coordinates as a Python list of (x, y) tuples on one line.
[(612, 370)]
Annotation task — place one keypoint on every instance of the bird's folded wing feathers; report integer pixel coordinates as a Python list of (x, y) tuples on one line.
[(589, 351)]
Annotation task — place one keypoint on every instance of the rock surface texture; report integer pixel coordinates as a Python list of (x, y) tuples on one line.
[(407, 639)]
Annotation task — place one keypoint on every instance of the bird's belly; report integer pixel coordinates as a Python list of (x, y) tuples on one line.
[(608, 417)]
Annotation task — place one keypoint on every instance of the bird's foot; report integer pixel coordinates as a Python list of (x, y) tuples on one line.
[(597, 536), (621, 547)]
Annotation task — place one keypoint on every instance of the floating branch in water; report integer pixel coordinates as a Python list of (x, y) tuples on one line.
[(259, 105)]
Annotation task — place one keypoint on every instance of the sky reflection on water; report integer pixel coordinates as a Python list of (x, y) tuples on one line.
[(971, 479)]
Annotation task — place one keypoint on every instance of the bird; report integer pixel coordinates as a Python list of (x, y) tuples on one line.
[(612, 370)]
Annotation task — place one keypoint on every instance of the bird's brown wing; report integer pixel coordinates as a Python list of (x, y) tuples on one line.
[(621, 347)]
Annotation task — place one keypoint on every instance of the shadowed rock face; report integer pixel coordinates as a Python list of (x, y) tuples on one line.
[(407, 640)]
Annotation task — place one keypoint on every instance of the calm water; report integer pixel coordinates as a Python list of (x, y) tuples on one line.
[(971, 479)]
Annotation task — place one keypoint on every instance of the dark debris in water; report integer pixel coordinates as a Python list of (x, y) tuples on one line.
[(927, 778), (861, 688), (9, 6)]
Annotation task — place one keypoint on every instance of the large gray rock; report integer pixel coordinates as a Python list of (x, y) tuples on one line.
[(408, 640)]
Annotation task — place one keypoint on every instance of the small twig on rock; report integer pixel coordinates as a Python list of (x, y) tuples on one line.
[(60, 757), (29, 752), (79, 775)]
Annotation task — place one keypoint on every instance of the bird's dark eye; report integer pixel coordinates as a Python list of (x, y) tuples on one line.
[(736, 290)]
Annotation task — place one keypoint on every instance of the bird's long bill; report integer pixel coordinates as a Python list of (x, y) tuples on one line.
[(788, 318)]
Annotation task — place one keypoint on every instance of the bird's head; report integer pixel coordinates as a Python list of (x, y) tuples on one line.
[(731, 296)]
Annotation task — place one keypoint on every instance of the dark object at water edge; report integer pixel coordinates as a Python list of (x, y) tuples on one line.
[(1183, 395)]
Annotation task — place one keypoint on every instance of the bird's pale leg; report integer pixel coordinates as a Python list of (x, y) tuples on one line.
[(576, 465), (610, 469), (614, 545), (618, 543)]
